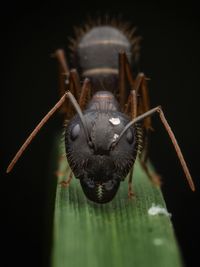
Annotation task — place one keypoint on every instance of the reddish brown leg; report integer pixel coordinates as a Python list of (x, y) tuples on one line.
[(130, 188), (127, 105), (39, 126), (128, 71), (66, 183), (74, 87), (167, 127), (63, 69), (63, 77), (59, 54), (154, 177), (145, 103), (143, 107), (132, 105), (85, 93), (139, 86), (76, 83), (68, 80)]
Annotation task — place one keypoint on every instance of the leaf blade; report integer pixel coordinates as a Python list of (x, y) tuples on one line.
[(119, 233)]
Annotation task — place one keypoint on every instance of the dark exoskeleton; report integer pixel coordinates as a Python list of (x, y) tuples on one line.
[(112, 119), (99, 166)]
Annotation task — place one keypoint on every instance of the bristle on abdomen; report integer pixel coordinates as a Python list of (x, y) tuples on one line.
[(96, 53)]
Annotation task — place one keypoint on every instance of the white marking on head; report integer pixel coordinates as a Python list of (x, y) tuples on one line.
[(115, 136), (115, 121)]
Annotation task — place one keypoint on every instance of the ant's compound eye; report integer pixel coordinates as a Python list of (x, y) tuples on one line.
[(129, 136), (75, 132)]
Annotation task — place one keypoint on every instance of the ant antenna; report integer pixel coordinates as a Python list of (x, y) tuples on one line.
[(171, 135), (78, 110), (42, 123)]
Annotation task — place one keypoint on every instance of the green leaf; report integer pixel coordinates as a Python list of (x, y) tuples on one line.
[(120, 233)]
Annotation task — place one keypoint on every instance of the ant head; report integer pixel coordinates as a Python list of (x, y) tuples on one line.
[(98, 165)]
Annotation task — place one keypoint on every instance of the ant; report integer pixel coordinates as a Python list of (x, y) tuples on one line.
[(113, 115)]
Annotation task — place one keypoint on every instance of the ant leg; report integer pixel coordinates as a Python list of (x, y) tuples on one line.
[(35, 132), (154, 177), (171, 135), (141, 105), (66, 183), (130, 188), (139, 84), (63, 70), (143, 159), (132, 105), (76, 88), (68, 80), (63, 79), (144, 104), (44, 121)]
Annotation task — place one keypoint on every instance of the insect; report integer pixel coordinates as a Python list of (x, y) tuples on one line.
[(108, 115)]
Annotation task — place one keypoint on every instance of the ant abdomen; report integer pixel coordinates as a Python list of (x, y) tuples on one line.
[(97, 56)]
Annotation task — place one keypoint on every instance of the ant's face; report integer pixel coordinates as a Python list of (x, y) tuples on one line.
[(99, 167)]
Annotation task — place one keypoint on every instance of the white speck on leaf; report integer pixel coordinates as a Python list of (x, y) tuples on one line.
[(158, 241), (115, 121), (157, 210)]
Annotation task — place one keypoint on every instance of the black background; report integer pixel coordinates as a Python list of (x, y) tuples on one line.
[(170, 57)]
